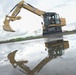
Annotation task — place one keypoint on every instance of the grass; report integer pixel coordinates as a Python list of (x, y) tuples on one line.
[(69, 32), (34, 37), (20, 39), (26, 38)]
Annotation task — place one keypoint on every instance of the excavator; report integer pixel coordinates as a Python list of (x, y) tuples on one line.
[(52, 23)]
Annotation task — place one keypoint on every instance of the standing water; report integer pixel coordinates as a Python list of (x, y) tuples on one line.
[(45, 56)]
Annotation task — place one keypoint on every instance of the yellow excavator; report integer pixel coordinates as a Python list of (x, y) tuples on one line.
[(51, 20)]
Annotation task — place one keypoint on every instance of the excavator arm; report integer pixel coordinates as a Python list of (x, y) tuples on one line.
[(16, 11)]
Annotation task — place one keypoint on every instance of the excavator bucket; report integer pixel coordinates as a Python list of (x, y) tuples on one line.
[(6, 26)]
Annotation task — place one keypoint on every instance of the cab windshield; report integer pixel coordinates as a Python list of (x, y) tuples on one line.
[(52, 19), (57, 19)]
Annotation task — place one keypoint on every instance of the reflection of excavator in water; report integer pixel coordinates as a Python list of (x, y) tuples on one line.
[(52, 23), (55, 49)]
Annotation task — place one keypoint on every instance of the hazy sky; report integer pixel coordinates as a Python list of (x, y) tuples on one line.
[(31, 22)]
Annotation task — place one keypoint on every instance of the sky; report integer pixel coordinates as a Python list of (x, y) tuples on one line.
[(30, 22)]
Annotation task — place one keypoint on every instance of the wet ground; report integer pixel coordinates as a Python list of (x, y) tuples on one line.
[(45, 56)]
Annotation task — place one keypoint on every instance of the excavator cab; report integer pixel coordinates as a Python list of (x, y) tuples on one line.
[(51, 18), (52, 23)]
